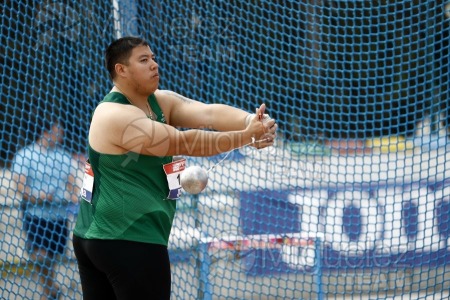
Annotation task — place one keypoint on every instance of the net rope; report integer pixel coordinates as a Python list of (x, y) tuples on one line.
[(353, 200)]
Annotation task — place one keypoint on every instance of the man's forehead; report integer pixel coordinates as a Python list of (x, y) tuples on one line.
[(142, 50)]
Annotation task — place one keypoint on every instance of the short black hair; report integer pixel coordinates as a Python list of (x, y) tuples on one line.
[(119, 51)]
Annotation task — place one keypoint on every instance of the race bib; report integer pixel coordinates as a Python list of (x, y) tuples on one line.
[(88, 183), (173, 172)]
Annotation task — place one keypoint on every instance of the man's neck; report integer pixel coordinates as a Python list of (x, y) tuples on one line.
[(132, 96)]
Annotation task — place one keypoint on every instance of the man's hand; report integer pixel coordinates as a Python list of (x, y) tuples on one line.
[(272, 133), (270, 127)]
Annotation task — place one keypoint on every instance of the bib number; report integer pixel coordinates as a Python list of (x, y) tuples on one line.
[(88, 183), (173, 172)]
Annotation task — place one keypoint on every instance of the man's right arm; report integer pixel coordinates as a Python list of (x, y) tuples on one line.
[(120, 129)]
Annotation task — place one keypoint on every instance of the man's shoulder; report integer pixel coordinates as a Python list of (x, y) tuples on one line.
[(115, 97), (114, 114), (110, 122), (166, 99), (24, 157), (111, 101), (28, 150)]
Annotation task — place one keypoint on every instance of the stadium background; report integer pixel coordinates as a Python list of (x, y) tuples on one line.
[(360, 92)]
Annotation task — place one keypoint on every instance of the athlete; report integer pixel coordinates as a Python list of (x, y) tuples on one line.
[(128, 202)]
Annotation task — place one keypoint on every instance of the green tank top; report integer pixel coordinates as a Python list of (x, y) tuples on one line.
[(129, 200)]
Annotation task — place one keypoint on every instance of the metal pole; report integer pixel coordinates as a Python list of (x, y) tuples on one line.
[(318, 267), (116, 17)]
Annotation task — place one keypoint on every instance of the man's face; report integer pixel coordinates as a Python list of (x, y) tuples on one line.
[(143, 70)]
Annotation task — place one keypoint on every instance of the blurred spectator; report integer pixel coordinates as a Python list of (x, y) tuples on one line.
[(42, 171)]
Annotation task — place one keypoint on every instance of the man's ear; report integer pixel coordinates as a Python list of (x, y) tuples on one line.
[(120, 69)]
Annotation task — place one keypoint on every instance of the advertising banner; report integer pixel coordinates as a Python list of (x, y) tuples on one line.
[(360, 226)]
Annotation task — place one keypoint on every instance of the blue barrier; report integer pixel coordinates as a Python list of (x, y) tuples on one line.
[(365, 226)]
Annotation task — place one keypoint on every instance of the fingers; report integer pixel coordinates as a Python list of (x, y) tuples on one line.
[(265, 141), (268, 123), (268, 138), (260, 111), (269, 126), (273, 129)]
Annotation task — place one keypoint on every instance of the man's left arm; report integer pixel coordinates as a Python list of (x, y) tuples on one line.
[(188, 113)]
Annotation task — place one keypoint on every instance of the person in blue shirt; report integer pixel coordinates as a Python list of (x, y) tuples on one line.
[(44, 176)]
